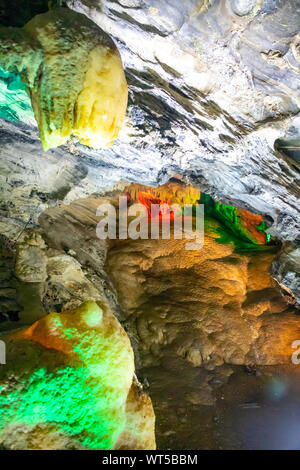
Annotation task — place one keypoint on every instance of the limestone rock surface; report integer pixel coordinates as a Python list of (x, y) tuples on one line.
[(213, 97), (74, 74), (69, 384)]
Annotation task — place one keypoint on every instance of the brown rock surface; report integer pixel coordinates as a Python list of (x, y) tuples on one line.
[(206, 306)]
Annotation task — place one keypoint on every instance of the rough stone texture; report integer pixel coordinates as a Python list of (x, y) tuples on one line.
[(199, 322), (214, 342), (178, 60), (69, 384), (73, 227), (221, 138), (286, 269), (31, 262), (217, 320), (21, 53), (9, 305), (208, 307), (210, 94), (68, 63), (214, 98), (37, 279)]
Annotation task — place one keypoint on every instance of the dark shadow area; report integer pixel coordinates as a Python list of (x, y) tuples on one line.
[(19, 12)]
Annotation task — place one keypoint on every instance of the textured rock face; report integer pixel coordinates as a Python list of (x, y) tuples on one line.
[(69, 384), (198, 321), (231, 312), (212, 87), (286, 269), (209, 307), (212, 330), (222, 88), (79, 358), (213, 99), (37, 280), (75, 76), (182, 117), (9, 305), (243, 224), (31, 262)]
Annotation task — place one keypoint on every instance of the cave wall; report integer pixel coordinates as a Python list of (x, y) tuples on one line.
[(213, 100), (213, 96)]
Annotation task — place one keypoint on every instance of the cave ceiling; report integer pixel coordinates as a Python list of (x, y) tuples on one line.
[(211, 89)]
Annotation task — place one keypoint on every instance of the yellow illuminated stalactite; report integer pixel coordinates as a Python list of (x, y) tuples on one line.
[(102, 102), (74, 75)]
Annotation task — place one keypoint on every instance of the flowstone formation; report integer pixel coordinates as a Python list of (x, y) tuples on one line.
[(239, 225), (214, 105), (74, 76), (213, 96), (229, 298), (211, 330), (69, 384), (214, 331)]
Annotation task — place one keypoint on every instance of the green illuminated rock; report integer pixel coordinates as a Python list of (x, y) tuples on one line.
[(245, 229), (69, 383), (15, 104)]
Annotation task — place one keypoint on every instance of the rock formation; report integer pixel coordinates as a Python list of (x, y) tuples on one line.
[(74, 74), (213, 96), (199, 321), (213, 306), (212, 118), (69, 384)]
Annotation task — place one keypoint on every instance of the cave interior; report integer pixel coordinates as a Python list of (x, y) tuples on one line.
[(138, 342)]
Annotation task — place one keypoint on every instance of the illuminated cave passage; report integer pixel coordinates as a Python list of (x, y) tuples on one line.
[(140, 343), (212, 332)]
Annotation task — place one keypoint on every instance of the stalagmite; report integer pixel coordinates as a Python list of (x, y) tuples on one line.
[(69, 383)]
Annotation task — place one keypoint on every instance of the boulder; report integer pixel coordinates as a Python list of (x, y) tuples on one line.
[(69, 383)]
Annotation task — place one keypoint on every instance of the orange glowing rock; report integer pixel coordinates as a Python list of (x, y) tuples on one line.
[(240, 223), (249, 222)]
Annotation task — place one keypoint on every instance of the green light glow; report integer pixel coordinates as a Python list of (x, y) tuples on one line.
[(65, 398), (85, 398), (232, 228), (15, 104)]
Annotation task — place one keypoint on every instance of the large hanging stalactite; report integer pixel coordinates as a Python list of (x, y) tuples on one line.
[(74, 75)]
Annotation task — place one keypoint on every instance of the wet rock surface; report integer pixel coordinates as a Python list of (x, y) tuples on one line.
[(252, 407)]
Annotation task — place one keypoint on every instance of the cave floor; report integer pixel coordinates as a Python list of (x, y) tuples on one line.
[(254, 409)]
